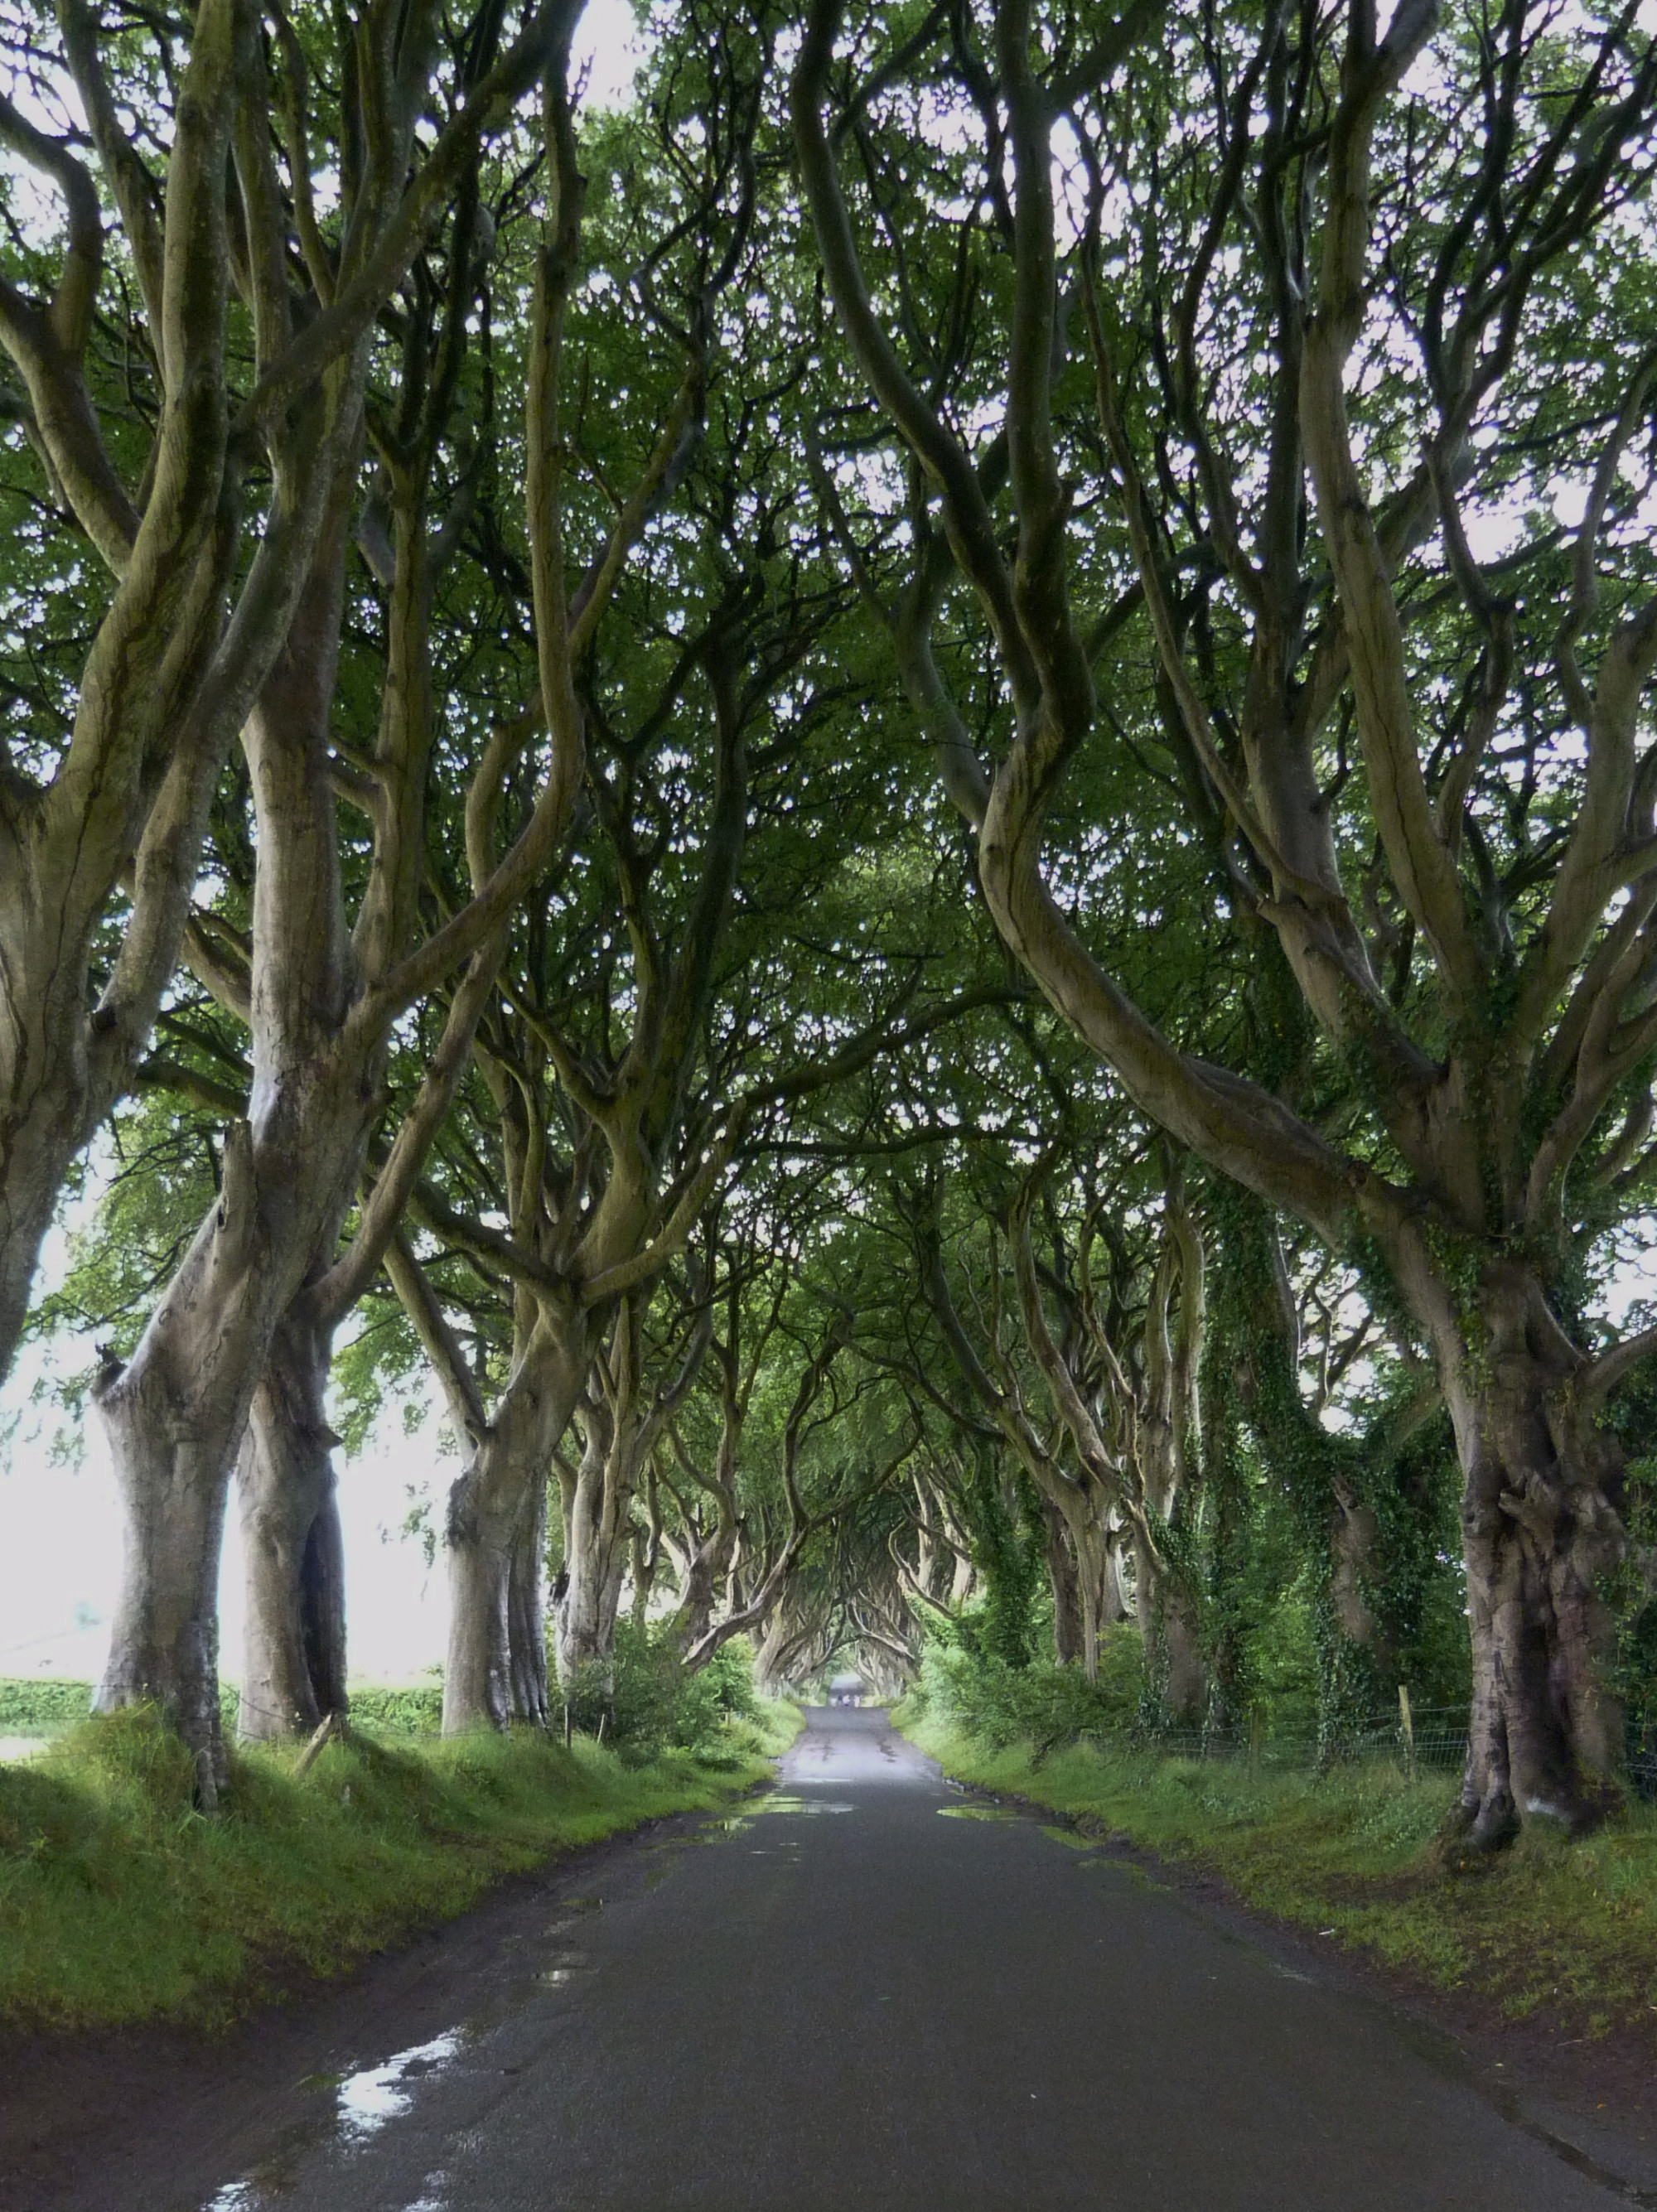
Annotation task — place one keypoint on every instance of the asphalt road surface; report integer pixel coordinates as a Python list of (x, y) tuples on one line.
[(863, 1993)]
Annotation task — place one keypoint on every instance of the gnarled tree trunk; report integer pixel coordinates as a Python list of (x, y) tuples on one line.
[(293, 1654), (1355, 1566), (526, 1622), (174, 1475), (176, 1414), (1068, 1637), (708, 1568), (1171, 1630), (596, 1537), (494, 1553), (1539, 1528)]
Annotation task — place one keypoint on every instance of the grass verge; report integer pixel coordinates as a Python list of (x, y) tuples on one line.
[(119, 1903), (1561, 1929)]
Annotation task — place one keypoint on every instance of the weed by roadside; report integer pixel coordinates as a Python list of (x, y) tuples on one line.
[(119, 1902)]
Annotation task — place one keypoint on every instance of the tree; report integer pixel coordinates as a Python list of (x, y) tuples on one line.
[(322, 993), (1428, 767), (203, 334)]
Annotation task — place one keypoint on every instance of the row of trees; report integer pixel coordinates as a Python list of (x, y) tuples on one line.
[(908, 800)]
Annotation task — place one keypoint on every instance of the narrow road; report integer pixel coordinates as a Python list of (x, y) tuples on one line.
[(860, 1994)]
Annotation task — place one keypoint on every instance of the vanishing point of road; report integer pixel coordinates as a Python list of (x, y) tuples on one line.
[(860, 1993)]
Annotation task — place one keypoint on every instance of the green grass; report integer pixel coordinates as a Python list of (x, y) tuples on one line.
[(1566, 1930), (119, 1902), (33, 1707)]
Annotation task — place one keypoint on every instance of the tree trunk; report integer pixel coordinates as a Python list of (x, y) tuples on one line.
[(478, 1673), (164, 1643), (1086, 1549), (526, 1621), (776, 1648), (595, 1556), (1116, 1608), (965, 1579), (322, 1601), (43, 1085), (293, 1663), (492, 1510), (494, 1598), (174, 1415), (1538, 1529), (1171, 1633), (177, 1413), (1065, 1582), (707, 1569), (1354, 1567)]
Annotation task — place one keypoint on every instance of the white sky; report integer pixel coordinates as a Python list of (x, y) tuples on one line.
[(60, 1556), (607, 39)]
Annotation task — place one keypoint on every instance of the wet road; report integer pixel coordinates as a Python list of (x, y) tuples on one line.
[(861, 1994)]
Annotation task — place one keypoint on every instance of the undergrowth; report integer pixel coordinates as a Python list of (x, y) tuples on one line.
[(31, 1707), (119, 1902), (1561, 1928)]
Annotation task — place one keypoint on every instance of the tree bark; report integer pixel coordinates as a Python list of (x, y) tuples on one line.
[(776, 1647), (493, 1550), (1539, 1528), (176, 1414), (1065, 1582), (707, 1569), (1355, 1564), (596, 1536), (164, 1640), (293, 1663), (526, 1622), (1172, 1634)]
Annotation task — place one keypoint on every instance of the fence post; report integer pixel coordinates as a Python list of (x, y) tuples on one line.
[(1409, 1730), (569, 1725), (1256, 1735)]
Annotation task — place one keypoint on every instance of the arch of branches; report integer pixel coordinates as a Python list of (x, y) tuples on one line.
[(902, 806)]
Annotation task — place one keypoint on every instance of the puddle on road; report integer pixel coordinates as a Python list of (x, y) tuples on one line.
[(977, 1813), (256, 2190), (426, 2201), (367, 2098), (564, 1967), (723, 1826), (779, 1803), (374, 2094)]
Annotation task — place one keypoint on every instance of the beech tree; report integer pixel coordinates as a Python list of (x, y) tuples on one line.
[(1290, 248), (322, 990), (197, 339), (939, 945)]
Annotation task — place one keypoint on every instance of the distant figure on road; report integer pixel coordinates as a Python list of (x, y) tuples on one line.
[(846, 1690)]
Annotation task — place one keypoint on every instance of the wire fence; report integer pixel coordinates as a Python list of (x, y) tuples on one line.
[(1434, 1740), (1429, 1740)]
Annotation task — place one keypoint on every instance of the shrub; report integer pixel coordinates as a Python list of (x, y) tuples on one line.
[(42, 1708), (1040, 1703), (654, 1706)]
